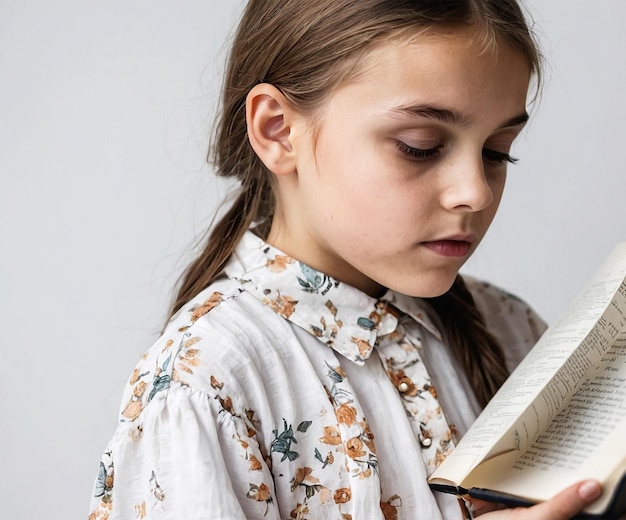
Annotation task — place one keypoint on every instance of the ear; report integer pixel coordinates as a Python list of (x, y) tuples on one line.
[(268, 119)]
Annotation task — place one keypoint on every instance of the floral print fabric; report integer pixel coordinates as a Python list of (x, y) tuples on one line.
[(281, 393)]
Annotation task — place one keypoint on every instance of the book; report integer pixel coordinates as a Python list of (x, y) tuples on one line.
[(561, 415)]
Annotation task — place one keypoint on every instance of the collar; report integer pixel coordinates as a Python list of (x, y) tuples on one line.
[(345, 318)]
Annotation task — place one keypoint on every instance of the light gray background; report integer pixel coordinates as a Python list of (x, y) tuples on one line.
[(104, 111)]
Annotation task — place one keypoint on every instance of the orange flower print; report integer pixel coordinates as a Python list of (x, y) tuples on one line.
[(283, 305), (215, 384), (102, 512), (303, 476), (255, 464), (134, 377), (189, 358), (227, 404), (443, 451), (135, 405), (140, 510), (389, 512), (140, 389), (342, 495), (214, 300), (331, 436), (431, 389), (354, 448), (365, 474), (390, 507), (346, 414), (167, 345), (299, 511), (279, 263), (304, 479), (437, 459), (333, 310), (252, 423), (260, 494), (368, 436), (363, 346), (374, 317)]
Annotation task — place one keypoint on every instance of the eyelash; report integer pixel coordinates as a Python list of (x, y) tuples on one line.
[(417, 154), (498, 157)]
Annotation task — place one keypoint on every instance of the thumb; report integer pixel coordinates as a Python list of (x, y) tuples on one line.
[(568, 502)]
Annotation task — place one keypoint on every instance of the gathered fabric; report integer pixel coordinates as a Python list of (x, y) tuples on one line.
[(282, 393)]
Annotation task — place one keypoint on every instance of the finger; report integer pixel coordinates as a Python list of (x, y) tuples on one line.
[(568, 502)]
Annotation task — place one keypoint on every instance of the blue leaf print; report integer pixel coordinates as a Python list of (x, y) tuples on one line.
[(314, 280), (366, 323), (160, 383), (304, 426), (100, 481), (104, 480), (166, 363), (334, 376), (282, 442)]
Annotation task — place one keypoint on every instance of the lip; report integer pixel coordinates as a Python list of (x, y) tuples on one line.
[(456, 246)]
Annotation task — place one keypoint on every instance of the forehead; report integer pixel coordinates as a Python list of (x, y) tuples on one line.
[(454, 69)]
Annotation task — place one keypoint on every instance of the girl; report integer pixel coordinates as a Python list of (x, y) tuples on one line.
[(324, 355)]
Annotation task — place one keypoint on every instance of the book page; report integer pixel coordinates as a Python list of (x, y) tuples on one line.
[(605, 462), (597, 349), (585, 440), (594, 411), (548, 376)]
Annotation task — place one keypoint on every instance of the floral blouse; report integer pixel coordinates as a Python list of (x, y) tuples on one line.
[(281, 393)]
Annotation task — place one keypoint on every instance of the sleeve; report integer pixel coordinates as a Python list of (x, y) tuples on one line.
[(187, 456), (511, 320)]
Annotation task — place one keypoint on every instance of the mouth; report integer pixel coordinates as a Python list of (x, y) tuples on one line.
[(455, 247)]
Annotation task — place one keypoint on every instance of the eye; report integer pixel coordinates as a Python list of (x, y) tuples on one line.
[(495, 157), (417, 154)]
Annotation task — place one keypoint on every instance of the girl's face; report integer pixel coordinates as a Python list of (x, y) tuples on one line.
[(399, 178)]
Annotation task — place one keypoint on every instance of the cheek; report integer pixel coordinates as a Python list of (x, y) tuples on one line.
[(353, 178), (497, 188)]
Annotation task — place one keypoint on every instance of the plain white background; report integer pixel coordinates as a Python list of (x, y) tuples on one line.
[(105, 109)]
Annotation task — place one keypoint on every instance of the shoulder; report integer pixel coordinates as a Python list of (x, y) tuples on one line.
[(217, 341), (509, 318)]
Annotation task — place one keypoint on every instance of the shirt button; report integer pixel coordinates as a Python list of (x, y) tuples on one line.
[(403, 387), (426, 442)]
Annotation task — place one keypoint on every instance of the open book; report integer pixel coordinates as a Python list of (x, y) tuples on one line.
[(561, 415)]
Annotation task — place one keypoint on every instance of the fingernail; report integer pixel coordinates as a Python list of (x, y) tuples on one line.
[(590, 490)]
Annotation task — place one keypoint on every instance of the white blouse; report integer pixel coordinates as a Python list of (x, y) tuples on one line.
[(281, 393)]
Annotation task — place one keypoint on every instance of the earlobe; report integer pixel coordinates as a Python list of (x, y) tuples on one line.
[(268, 121)]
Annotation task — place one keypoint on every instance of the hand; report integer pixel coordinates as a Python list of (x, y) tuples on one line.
[(563, 506)]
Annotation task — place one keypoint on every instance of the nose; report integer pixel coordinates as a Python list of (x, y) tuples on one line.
[(465, 185)]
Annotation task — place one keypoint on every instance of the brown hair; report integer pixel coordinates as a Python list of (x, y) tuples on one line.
[(305, 49)]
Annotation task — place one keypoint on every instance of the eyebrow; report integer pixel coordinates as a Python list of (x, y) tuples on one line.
[(448, 116)]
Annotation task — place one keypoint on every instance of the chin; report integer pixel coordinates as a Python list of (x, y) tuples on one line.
[(427, 287)]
